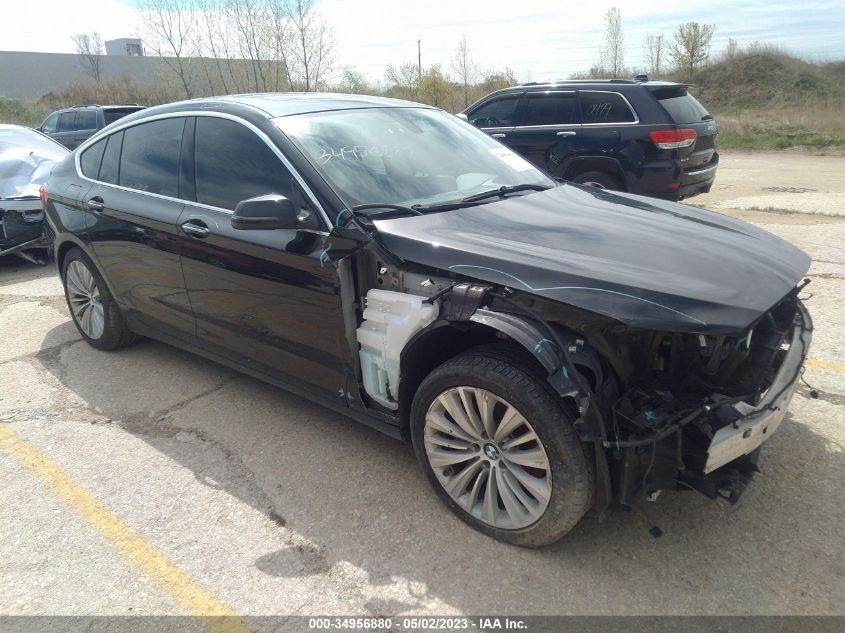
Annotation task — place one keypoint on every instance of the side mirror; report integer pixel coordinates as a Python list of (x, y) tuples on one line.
[(462, 116), (272, 211)]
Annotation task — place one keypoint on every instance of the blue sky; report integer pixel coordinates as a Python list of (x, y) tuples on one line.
[(538, 39)]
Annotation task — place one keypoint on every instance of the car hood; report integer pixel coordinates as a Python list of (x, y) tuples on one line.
[(645, 262), (24, 169)]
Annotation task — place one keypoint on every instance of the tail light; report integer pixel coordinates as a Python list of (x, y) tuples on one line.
[(673, 139), (43, 191)]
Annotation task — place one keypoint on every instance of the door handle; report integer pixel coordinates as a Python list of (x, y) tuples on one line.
[(195, 228), (567, 133), (96, 204), (498, 135)]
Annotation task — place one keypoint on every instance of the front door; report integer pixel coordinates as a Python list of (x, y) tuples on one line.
[(266, 299)]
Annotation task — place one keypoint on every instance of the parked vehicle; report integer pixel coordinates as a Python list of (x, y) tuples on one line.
[(546, 347), (646, 137), (73, 126), (26, 158)]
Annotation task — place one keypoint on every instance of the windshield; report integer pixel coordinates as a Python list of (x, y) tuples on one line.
[(407, 156)]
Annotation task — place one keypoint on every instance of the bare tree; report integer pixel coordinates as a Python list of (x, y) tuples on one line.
[(405, 78), (612, 56), (312, 44), (654, 49), (465, 68), (169, 28), (731, 49), (691, 47), (89, 46)]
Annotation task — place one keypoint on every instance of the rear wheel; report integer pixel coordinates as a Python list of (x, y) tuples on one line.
[(499, 448), (599, 180), (95, 312)]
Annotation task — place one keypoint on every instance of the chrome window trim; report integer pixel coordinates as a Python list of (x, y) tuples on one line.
[(197, 113), (624, 98), (551, 126)]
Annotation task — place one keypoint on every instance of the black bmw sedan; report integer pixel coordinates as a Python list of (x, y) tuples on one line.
[(546, 347)]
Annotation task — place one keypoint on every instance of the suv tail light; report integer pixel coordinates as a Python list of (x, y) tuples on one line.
[(43, 191), (673, 139)]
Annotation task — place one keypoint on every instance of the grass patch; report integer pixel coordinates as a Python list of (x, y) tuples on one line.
[(779, 139)]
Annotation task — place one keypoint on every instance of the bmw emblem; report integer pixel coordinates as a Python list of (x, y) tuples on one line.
[(491, 451)]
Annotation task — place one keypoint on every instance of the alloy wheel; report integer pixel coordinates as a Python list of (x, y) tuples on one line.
[(487, 457), (84, 298)]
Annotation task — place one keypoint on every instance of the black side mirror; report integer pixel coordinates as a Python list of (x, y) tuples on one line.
[(272, 211)]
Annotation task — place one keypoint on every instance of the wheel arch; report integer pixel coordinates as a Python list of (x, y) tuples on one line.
[(443, 340), (606, 164)]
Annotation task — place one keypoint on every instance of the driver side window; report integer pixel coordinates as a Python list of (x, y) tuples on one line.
[(498, 113), (233, 164)]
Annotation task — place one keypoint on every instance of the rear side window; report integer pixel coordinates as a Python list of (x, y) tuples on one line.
[(150, 157), (550, 109), (498, 113), (66, 122), (684, 108), (51, 124), (110, 165), (232, 164), (605, 107), (91, 158), (86, 120)]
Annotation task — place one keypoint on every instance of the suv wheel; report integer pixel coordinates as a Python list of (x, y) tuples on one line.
[(600, 180), (94, 311), (499, 448)]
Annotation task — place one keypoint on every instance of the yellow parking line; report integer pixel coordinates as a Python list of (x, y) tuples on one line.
[(824, 364), (194, 598)]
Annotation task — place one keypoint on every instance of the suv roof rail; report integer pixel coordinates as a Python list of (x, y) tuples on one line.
[(580, 81), (86, 105)]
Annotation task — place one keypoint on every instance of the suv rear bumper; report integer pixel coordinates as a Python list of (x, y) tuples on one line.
[(658, 179)]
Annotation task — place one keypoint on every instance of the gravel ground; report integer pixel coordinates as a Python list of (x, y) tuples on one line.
[(276, 506)]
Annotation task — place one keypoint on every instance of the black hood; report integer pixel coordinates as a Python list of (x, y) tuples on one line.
[(645, 262)]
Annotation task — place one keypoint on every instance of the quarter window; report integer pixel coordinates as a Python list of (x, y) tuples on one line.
[(605, 107), (498, 113), (233, 164), (91, 159), (551, 109), (110, 165), (150, 157)]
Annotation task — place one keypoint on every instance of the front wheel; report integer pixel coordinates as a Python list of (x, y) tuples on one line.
[(500, 449)]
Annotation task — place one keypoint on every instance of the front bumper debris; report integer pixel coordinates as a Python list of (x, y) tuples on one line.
[(758, 423)]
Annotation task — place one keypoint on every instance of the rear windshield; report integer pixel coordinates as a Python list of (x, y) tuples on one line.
[(113, 114), (684, 108)]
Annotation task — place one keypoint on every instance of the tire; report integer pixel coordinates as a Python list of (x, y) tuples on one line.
[(560, 490), (92, 307), (599, 180)]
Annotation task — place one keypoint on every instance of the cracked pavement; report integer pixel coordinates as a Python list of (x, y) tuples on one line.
[(280, 507)]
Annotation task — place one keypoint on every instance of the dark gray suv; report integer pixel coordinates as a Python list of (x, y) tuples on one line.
[(73, 126)]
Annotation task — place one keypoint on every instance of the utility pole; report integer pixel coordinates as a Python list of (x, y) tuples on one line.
[(419, 61)]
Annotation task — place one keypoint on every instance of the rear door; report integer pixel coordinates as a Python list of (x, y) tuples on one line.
[(134, 206), (548, 127)]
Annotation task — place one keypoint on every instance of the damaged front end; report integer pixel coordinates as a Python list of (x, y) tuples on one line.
[(694, 412)]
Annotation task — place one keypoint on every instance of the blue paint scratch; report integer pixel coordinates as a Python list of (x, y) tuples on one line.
[(613, 292), (340, 214)]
